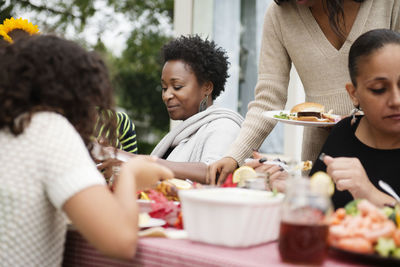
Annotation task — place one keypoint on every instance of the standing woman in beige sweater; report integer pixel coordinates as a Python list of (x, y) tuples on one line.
[(314, 35)]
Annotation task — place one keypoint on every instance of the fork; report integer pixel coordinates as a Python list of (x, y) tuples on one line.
[(389, 190)]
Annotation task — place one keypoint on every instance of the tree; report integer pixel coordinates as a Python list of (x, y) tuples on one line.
[(137, 80), (56, 15)]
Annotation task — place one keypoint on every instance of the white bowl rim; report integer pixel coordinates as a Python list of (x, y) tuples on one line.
[(145, 201), (197, 194)]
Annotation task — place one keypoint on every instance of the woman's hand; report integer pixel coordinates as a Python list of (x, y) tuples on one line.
[(276, 176), (219, 170), (146, 170), (349, 174), (111, 158), (106, 166)]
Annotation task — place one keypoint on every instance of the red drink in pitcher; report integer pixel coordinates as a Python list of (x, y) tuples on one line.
[(303, 243)]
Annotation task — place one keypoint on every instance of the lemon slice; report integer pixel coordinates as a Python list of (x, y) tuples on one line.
[(397, 212), (322, 182), (242, 173), (180, 184)]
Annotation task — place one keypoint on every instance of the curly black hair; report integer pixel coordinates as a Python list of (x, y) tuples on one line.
[(3, 44), (48, 73), (208, 62)]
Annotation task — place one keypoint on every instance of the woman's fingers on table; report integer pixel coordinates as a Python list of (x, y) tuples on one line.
[(270, 168), (254, 163), (219, 170), (277, 180), (256, 155)]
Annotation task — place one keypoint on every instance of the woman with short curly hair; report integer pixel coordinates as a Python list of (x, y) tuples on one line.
[(193, 76)]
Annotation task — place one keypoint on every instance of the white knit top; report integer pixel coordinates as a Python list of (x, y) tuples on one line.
[(292, 35), (40, 169)]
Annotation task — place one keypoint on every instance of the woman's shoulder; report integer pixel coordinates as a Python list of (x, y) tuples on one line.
[(343, 124), (50, 125), (343, 132), (50, 118), (47, 120), (226, 114), (281, 11), (388, 3)]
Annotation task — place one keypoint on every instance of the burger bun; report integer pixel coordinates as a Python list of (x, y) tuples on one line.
[(307, 107), (311, 118)]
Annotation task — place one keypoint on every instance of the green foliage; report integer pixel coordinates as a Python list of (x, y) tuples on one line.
[(135, 8), (63, 13), (137, 79)]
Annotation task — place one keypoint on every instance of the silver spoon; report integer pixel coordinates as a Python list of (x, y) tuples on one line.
[(389, 190)]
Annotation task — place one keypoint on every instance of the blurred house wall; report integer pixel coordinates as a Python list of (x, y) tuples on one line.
[(236, 25)]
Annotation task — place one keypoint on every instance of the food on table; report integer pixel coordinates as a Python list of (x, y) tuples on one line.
[(163, 200), (144, 218), (229, 181), (307, 165), (241, 174), (362, 227), (304, 165), (322, 182), (397, 214), (162, 208), (309, 111), (179, 184), (169, 188)]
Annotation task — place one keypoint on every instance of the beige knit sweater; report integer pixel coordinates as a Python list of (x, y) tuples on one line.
[(291, 35)]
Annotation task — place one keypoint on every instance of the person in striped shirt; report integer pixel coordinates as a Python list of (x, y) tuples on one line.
[(126, 134)]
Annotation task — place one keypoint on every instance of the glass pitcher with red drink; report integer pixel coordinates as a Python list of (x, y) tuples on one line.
[(304, 227)]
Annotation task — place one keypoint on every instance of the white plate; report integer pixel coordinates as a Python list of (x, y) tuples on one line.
[(272, 113), (152, 222)]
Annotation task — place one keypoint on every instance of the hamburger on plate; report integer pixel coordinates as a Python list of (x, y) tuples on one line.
[(309, 111)]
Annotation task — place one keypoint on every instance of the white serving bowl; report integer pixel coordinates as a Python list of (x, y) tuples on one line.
[(233, 217)]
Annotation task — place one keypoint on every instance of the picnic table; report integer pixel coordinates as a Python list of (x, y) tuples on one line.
[(153, 251)]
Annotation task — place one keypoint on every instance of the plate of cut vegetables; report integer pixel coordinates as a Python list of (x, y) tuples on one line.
[(365, 232)]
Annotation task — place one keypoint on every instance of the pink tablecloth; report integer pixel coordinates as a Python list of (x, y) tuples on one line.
[(169, 252)]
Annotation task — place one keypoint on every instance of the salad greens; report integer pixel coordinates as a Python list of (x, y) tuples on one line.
[(385, 246), (351, 207), (282, 115)]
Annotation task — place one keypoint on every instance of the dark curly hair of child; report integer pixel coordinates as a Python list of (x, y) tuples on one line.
[(48, 73), (208, 62)]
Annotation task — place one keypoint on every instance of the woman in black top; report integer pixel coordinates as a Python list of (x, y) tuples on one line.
[(365, 149)]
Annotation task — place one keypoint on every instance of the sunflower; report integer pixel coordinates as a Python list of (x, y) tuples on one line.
[(5, 35), (17, 24)]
